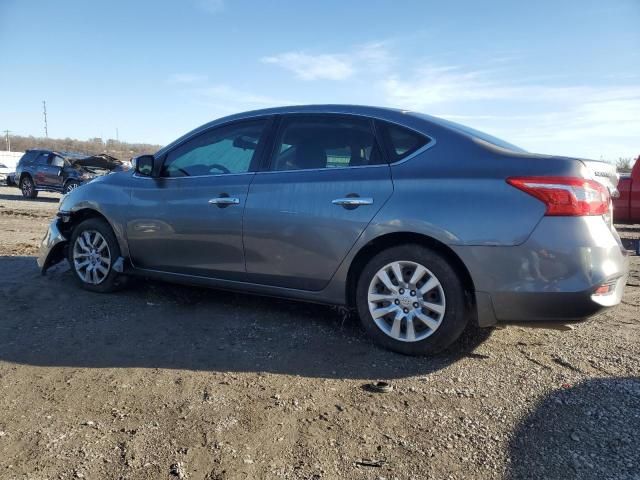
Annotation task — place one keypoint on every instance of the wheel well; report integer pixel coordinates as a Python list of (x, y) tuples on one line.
[(393, 239), (69, 180), (23, 176), (80, 216)]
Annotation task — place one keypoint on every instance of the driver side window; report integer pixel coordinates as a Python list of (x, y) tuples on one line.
[(222, 150)]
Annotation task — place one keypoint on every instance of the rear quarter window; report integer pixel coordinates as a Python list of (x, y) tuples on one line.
[(28, 157), (400, 142)]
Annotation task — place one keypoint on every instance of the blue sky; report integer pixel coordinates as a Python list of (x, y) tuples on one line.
[(551, 76)]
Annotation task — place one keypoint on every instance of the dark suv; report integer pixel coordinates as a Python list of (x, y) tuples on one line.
[(47, 170)]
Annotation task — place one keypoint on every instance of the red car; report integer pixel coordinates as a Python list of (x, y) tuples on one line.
[(626, 208)]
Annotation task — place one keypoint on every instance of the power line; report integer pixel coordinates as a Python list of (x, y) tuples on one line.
[(44, 111)]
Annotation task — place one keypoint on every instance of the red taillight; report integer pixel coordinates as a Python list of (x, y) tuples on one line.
[(566, 196)]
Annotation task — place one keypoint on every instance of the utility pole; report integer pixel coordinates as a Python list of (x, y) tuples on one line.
[(117, 137), (44, 111), (7, 140)]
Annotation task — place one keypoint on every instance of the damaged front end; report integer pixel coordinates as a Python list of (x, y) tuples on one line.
[(53, 248), (55, 244)]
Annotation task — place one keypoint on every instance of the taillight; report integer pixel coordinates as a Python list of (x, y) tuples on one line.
[(566, 196)]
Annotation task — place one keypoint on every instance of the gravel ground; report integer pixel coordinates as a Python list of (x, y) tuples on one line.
[(164, 382)]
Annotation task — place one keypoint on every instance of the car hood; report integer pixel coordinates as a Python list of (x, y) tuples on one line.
[(102, 161)]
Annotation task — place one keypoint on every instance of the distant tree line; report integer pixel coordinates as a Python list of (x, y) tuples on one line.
[(120, 150), (624, 165)]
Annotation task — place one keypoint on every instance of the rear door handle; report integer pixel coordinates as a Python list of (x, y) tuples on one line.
[(353, 201), (224, 201)]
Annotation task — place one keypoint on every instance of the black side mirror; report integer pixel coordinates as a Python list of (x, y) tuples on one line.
[(143, 165)]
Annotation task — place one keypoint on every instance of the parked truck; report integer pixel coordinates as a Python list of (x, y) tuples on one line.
[(626, 208)]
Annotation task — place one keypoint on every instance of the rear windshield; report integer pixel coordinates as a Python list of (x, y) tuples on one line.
[(472, 132)]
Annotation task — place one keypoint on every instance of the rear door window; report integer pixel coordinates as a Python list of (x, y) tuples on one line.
[(28, 157), (306, 142), (400, 141), (42, 159)]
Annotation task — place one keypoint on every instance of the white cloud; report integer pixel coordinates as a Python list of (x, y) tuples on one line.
[(542, 114), (314, 67), (330, 66), (579, 120)]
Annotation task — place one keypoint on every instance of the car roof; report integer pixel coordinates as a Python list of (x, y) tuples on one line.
[(402, 117), (427, 124), (62, 154)]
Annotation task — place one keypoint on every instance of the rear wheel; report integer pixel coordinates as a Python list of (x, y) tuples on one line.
[(28, 187), (93, 250), (410, 300)]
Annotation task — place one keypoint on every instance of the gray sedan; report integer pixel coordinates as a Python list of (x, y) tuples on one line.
[(420, 225)]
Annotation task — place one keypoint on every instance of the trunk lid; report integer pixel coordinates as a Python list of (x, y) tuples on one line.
[(604, 173)]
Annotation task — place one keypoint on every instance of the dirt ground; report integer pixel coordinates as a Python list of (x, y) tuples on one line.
[(163, 382)]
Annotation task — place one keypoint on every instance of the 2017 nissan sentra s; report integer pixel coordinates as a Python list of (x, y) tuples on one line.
[(419, 224)]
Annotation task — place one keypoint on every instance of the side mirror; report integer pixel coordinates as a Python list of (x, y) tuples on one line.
[(143, 165)]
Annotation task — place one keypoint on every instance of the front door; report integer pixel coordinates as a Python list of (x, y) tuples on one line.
[(53, 171), (189, 220), (326, 180)]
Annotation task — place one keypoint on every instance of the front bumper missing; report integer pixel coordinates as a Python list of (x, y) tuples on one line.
[(52, 247)]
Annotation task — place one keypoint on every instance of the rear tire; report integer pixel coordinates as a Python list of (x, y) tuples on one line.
[(93, 250), (28, 188), (422, 313)]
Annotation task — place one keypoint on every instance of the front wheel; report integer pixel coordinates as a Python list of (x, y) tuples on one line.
[(28, 188), (70, 186), (93, 249), (410, 300)]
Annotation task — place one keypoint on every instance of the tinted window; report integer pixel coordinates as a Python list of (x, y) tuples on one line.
[(42, 159), (325, 141), (28, 157), (401, 141), (229, 149)]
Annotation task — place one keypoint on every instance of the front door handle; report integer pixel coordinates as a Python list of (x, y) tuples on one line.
[(224, 201), (353, 201)]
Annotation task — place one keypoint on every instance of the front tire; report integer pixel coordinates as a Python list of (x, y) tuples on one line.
[(411, 300), (28, 188), (70, 186), (93, 250)]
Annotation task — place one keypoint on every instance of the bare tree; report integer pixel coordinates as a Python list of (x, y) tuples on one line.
[(624, 164), (121, 150)]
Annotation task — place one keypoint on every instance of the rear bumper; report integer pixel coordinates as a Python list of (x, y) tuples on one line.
[(554, 275), (52, 247)]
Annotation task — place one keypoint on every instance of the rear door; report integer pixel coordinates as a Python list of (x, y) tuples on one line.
[(39, 168), (325, 181)]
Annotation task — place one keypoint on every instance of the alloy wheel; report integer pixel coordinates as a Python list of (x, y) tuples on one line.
[(91, 257), (27, 187), (406, 301), (70, 187)]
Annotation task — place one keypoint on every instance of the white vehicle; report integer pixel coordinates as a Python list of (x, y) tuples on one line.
[(4, 173)]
